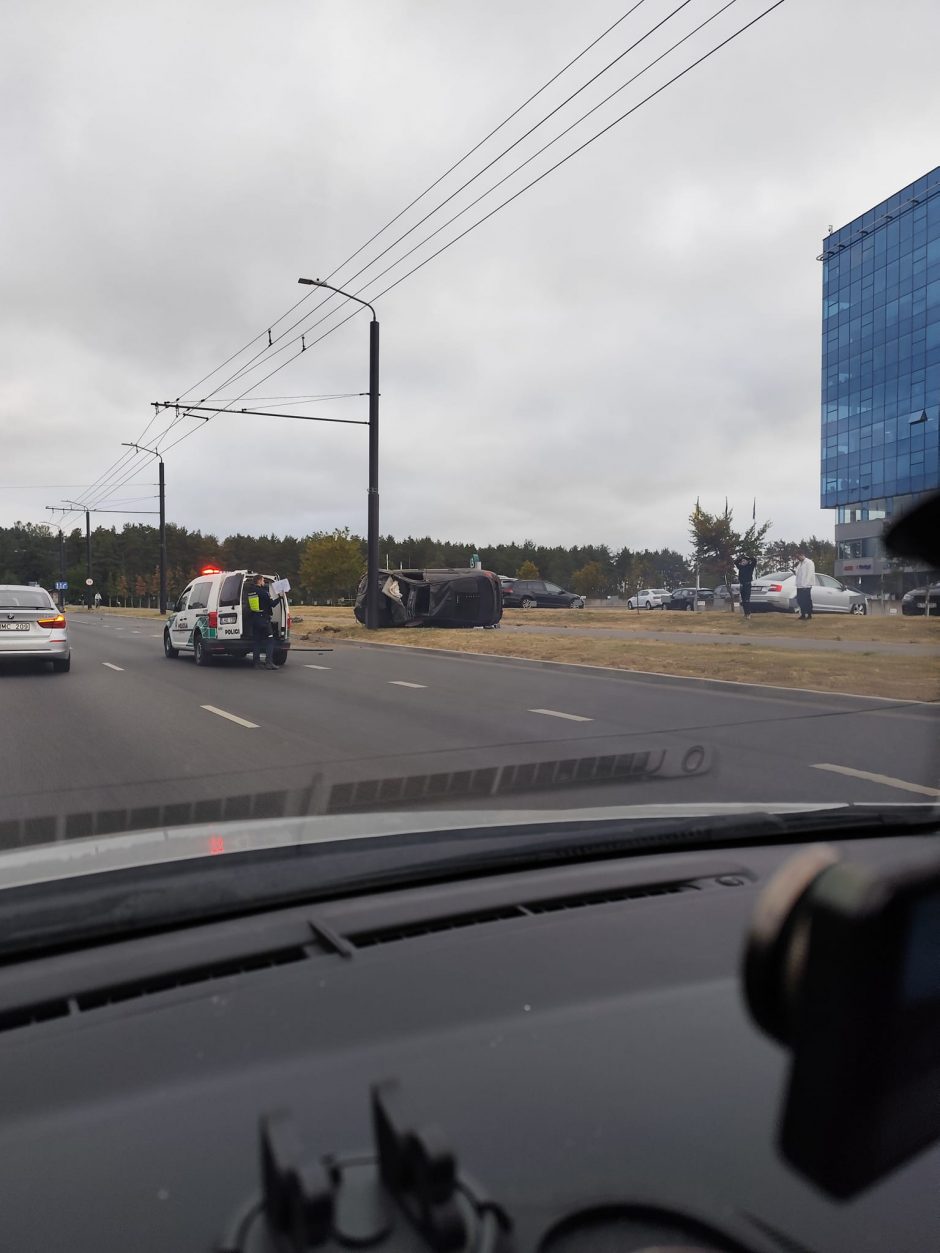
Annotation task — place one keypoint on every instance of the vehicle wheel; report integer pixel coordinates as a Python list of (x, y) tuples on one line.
[(649, 604), (168, 649), (61, 665), (576, 604), (859, 608), (200, 656), (280, 656), (528, 602)]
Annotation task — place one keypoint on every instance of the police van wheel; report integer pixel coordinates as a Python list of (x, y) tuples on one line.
[(168, 648), (280, 658), (200, 656)]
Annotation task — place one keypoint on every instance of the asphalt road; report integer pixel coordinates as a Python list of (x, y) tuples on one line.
[(128, 728)]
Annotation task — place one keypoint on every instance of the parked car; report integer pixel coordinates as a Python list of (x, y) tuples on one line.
[(32, 627), (537, 593), (211, 618), (915, 601), (447, 598), (777, 592), (685, 598), (725, 594), (648, 598)]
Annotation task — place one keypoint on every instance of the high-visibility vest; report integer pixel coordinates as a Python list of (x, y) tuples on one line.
[(254, 602)]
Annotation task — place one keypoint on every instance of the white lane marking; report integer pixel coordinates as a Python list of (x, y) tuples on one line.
[(117, 628), (886, 779), (156, 637), (242, 722), (556, 713), (308, 665), (112, 666), (402, 683)]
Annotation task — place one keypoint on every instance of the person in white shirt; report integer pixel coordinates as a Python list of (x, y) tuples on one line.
[(805, 573)]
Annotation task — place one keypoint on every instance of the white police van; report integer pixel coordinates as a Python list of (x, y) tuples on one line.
[(212, 619)]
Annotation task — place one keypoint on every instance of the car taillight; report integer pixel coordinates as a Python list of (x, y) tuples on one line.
[(52, 623), (213, 619), (289, 620), (774, 587)]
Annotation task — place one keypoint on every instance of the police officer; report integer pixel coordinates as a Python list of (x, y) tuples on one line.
[(262, 607)]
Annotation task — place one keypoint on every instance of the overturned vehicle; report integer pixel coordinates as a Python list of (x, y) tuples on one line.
[(447, 598)]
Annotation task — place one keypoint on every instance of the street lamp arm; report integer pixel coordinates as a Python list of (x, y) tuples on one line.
[(316, 282)]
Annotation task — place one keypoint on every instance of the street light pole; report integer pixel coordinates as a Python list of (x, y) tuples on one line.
[(162, 485), (372, 520)]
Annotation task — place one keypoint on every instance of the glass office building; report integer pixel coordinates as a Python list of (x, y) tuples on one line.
[(881, 375)]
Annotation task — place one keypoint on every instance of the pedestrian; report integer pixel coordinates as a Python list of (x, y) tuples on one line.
[(805, 573), (261, 607), (745, 566), (97, 600)]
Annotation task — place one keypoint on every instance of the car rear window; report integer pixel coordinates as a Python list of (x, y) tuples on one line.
[(777, 576), (231, 592), (29, 598)]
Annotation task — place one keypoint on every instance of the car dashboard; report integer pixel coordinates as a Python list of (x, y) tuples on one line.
[(554, 1059)]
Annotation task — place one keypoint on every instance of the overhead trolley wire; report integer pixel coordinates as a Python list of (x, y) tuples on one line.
[(161, 438)]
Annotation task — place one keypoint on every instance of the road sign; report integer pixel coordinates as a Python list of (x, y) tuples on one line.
[(61, 587), (89, 582)]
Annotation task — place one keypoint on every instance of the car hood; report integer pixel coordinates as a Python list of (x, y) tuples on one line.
[(101, 854)]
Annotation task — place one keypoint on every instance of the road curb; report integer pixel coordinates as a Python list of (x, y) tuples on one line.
[(623, 673)]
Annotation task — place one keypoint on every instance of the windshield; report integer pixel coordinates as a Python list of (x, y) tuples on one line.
[(582, 317)]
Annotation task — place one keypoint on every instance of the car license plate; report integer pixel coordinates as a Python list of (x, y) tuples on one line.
[(14, 626)]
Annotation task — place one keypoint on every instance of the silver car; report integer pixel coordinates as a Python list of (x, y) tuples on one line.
[(778, 592), (32, 627)]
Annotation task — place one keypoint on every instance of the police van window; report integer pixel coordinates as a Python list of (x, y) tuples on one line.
[(200, 596), (231, 592), (181, 603)]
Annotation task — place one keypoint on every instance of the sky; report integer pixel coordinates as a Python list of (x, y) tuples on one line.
[(638, 330)]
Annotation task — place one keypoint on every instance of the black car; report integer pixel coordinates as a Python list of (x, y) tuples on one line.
[(538, 594), (446, 598), (915, 602), (684, 598)]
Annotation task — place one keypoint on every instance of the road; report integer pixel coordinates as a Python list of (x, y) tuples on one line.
[(129, 728)]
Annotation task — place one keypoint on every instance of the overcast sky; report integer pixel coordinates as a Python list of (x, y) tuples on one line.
[(639, 329)]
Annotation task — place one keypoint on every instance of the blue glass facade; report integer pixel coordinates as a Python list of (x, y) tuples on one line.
[(881, 355)]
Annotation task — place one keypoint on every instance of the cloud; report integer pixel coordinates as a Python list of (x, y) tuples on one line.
[(639, 329)]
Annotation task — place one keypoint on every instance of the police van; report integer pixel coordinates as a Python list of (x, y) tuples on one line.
[(212, 618)]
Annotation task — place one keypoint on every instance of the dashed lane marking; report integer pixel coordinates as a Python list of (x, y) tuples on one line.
[(557, 713), (112, 666), (242, 722), (402, 683), (886, 779), (308, 665)]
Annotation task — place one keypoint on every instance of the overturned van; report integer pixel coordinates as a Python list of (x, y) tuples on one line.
[(447, 598)]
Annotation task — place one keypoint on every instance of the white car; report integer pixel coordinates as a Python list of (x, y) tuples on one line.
[(648, 598), (778, 592), (32, 627)]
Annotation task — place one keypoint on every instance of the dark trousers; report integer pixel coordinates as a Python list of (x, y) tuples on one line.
[(261, 633), (746, 599), (804, 598)]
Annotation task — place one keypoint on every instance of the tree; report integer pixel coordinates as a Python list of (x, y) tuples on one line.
[(528, 570), (332, 565), (591, 580), (716, 544)]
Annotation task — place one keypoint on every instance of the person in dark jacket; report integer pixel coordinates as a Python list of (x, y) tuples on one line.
[(745, 566), (261, 607)]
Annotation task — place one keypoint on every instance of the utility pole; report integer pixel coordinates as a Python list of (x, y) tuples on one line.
[(162, 486), (372, 519)]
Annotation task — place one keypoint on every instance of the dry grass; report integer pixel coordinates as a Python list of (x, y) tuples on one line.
[(864, 674), (895, 629)]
